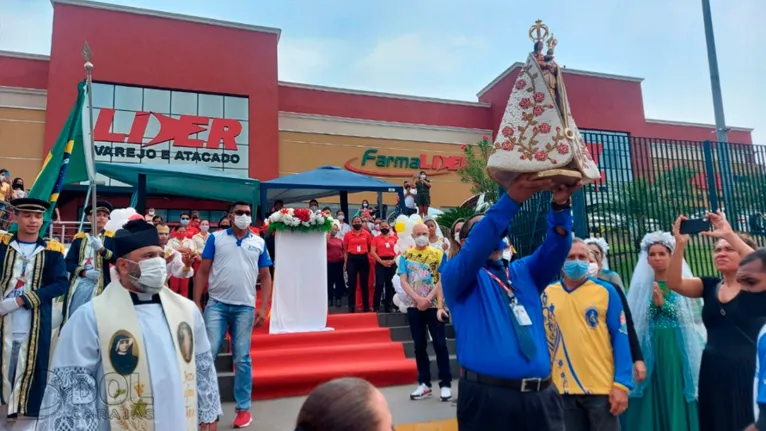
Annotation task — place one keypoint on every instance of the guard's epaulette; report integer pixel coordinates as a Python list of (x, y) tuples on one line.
[(53, 245), (6, 238), (80, 235), (108, 234)]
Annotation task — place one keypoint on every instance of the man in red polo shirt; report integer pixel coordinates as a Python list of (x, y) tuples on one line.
[(382, 250)]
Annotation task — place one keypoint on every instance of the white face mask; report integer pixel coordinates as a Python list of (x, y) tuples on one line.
[(422, 177), (154, 272), (151, 213), (242, 221), (204, 228), (313, 208), (592, 269), (457, 237), (340, 217), (421, 241)]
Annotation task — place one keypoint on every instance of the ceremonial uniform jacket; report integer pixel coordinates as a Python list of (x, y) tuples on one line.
[(79, 251), (46, 281)]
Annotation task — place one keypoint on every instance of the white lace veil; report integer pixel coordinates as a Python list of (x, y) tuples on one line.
[(691, 333), (604, 247)]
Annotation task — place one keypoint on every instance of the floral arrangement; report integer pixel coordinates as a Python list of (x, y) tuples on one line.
[(298, 220)]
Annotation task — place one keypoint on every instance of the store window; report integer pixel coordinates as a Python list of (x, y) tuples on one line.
[(126, 101)]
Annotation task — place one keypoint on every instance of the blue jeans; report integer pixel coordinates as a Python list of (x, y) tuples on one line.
[(239, 319)]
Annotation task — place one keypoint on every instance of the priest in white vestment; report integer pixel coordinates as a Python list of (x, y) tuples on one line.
[(136, 357)]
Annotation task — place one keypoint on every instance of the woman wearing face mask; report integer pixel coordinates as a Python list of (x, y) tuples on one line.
[(670, 340), (423, 196), (752, 277), (356, 245), (382, 251), (435, 237), (199, 240), (185, 247), (18, 189), (224, 223), (599, 247), (454, 239), (336, 286), (728, 360)]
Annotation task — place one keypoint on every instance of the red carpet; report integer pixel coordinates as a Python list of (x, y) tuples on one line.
[(294, 364)]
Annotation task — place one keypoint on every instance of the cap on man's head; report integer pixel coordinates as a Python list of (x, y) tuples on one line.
[(100, 206), (163, 228), (134, 235), (31, 205)]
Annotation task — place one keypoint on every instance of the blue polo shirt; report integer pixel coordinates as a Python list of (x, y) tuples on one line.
[(236, 263), (486, 340)]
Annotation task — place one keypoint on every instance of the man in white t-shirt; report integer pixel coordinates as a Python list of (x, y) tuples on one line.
[(232, 262), (409, 199)]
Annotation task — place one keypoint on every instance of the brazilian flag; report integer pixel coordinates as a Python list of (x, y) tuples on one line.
[(69, 160)]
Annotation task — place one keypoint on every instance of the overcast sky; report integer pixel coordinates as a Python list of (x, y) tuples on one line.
[(453, 48)]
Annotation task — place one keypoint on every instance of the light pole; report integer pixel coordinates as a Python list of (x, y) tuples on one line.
[(724, 157)]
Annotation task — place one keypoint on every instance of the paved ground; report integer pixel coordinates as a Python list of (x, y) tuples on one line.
[(280, 415)]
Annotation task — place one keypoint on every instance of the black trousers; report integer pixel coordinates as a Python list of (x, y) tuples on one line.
[(384, 286), (420, 322), (482, 407), (589, 413), (358, 265), (336, 286)]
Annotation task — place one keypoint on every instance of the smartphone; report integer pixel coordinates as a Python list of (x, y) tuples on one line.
[(694, 226)]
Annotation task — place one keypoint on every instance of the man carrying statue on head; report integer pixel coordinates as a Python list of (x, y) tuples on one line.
[(495, 305)]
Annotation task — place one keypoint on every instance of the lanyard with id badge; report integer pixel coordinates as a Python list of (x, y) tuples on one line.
[(518, 310)]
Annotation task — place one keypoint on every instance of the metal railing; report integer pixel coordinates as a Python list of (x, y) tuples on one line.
[(646, 183), (63, 231)]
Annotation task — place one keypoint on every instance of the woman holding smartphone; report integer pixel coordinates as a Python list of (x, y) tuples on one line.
[(423, 196)]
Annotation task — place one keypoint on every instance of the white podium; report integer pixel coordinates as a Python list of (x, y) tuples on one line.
[(300, 284)]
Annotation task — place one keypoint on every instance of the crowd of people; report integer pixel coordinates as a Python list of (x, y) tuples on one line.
[(550, 341)]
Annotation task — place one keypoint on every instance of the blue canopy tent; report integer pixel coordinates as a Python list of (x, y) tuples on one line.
[(322, 182), (181, 180)]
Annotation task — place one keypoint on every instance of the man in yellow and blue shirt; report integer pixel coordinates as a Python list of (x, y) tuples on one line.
[(587, 338)]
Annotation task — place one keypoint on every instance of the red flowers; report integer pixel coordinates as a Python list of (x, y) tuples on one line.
[(302, 214), (463, 146), (507, 145), (521, 84), (544, 128), (525, 103), (563, 149), (507, 131), (539, 97), (538, 110), (541, 156)]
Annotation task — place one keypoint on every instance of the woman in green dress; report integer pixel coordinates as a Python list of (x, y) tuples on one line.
[(670, 340)]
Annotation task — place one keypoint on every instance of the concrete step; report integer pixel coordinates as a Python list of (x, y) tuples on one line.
[(402, 333), (225, 362), (409, 348)]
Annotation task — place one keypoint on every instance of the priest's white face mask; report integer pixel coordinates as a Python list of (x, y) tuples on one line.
[(148, 275)]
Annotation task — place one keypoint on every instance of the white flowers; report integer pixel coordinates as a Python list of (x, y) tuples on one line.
[(295, 217)]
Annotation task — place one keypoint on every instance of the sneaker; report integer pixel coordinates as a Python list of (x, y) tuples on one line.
[(421, 392), (446, 394), (243, 419)]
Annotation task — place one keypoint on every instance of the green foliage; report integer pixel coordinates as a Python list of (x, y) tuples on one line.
[(447, 219), (474, 171), (646, 204)]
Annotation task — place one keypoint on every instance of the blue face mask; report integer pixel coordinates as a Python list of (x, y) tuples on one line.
[(575, 269), (184, 222)]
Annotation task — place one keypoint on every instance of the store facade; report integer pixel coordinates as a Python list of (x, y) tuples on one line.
[(172, 89)]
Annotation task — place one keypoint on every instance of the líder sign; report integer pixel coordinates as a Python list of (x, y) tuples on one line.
[(383, 165)]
